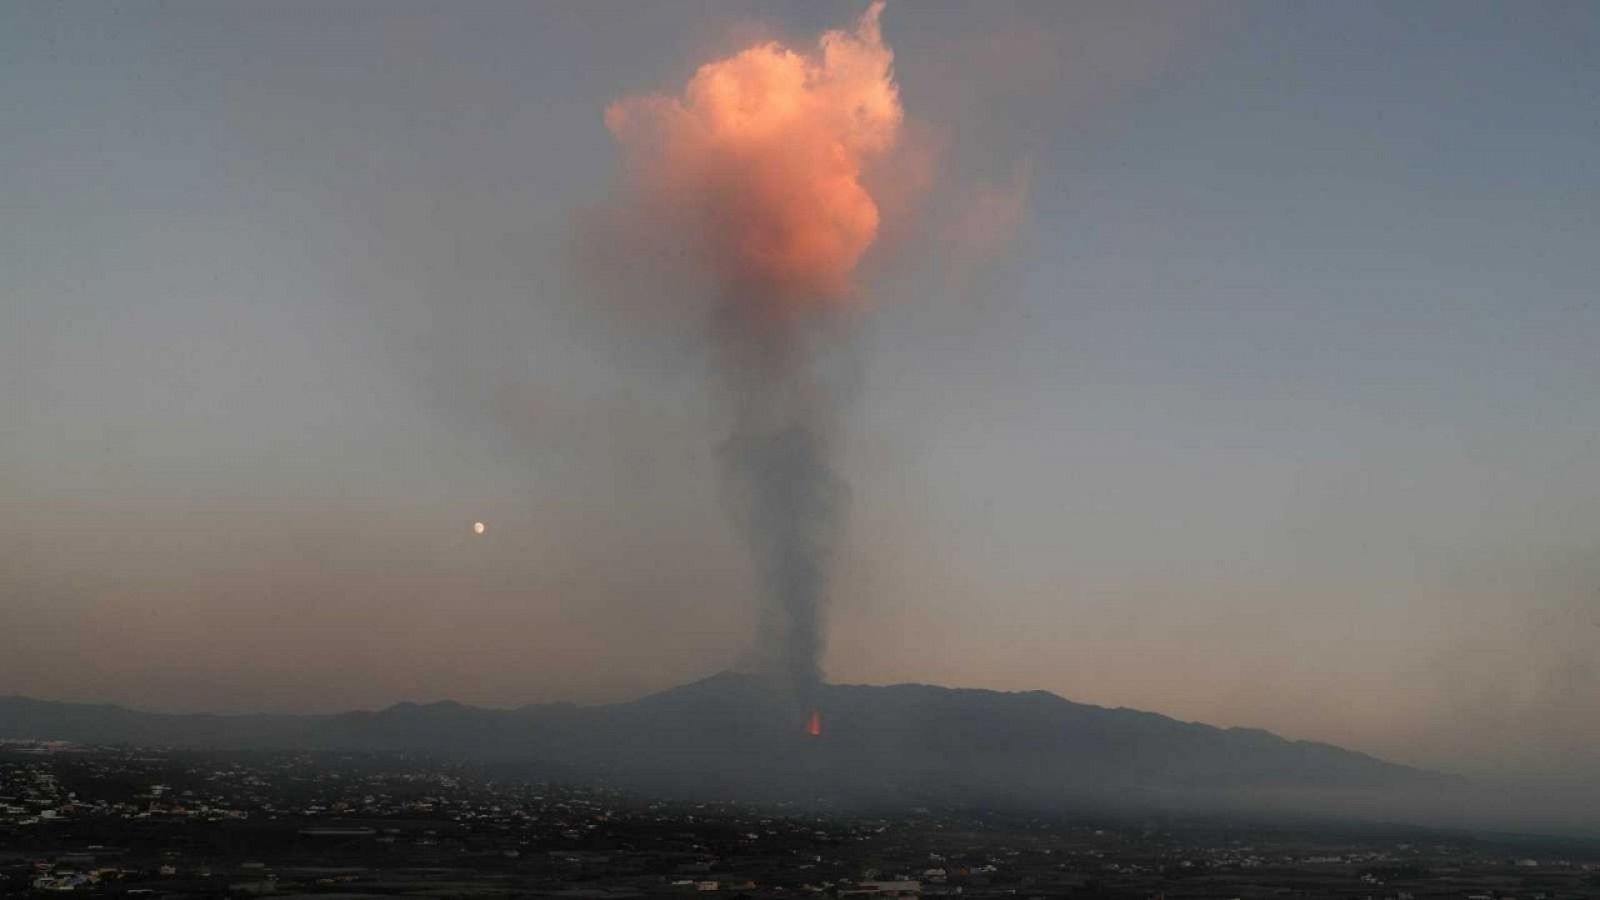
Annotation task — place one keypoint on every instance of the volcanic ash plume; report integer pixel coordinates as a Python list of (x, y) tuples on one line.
[(761, 158)]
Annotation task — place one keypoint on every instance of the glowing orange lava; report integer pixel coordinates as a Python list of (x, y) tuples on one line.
[(814, 725)]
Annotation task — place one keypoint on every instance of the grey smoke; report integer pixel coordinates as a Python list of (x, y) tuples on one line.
[(785, 495)]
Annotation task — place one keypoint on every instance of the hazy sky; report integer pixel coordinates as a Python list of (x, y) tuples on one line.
[(1237, 361)]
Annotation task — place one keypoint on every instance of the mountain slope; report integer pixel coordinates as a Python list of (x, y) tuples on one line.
[(735, 734)]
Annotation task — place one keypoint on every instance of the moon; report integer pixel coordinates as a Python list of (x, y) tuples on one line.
[(477, 528)]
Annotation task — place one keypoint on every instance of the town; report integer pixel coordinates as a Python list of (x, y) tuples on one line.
[(170, 822)]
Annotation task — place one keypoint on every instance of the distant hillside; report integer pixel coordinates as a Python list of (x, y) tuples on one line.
[(731, 734)]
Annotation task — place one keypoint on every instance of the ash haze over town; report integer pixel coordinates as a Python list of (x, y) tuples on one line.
[(1232, 361)]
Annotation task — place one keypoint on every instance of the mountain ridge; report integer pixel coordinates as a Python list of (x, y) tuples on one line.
[(741, 735)]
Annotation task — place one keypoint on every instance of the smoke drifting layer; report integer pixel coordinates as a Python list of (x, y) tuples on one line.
[(762, 156)]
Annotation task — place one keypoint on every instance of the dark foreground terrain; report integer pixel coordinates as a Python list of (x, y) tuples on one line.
[(153, 822)]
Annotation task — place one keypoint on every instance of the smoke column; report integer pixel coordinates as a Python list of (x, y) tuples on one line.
[(761, 157)]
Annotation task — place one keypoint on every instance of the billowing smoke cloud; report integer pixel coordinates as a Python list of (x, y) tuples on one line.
[(762, 157), (767, 149)]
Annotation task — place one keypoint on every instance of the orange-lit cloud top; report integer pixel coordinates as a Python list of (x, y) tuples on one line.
[(765, 150)]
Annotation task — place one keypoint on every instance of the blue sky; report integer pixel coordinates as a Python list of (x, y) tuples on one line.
[(1272, 402)]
